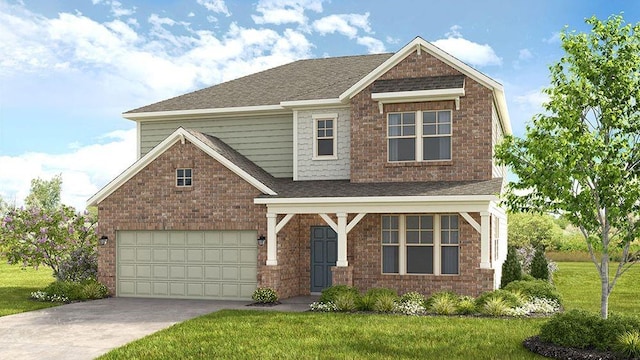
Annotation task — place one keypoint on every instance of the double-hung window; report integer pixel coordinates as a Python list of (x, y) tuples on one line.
[(419, 136), (184, 177), (420, 244), (324, 137)]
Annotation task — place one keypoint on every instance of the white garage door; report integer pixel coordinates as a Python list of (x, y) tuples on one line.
[(187, 264)]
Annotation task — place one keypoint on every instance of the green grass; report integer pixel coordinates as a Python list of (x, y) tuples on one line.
[(579, 284), (246, 334), (16, 285)]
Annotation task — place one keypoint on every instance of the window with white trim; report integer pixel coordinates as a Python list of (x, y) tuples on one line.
[(420, 244), (419, 136), (184, 177), (324, 136)]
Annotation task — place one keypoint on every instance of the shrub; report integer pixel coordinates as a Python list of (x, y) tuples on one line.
[(367, 301), (496, 306), (511, 269), (527, 277), (329, 294), (323, 307), (614, 327), (446, 294), (413, 297), (628, 344), (536, 306), (443, 305), (508, 297), (80, 265), (575, 328), (466, 306), (345, 301), (385, 303), (265, 296), (409, 307), (535, 289), (92, 289), (540, 266), (67, 291)]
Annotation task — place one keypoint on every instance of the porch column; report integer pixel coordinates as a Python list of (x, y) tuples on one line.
[(342, 240), (485, 238), (272, 246)]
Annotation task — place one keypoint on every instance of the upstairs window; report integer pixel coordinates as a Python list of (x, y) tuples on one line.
[(184, 177), (419, 136), (324, 143)]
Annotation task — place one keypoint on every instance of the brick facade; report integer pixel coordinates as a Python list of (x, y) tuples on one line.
[(471, 132)]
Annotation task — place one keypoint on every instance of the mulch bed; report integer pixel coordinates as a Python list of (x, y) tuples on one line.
[(265, 304), (534, 344)]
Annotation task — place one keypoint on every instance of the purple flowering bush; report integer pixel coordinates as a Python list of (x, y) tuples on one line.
[(59, 238)]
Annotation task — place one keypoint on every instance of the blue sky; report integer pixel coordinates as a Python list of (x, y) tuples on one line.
[(69, 68)]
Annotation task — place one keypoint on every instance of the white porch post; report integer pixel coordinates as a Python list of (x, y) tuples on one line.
[(272, 246), (485, 238), (342, 240)]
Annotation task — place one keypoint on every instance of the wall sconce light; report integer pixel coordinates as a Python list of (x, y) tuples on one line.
[(103, 240), (261, 240)]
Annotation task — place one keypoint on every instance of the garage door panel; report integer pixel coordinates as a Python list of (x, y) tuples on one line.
[(187, 264)]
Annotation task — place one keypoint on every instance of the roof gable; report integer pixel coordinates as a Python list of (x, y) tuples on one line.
[(212, 146)]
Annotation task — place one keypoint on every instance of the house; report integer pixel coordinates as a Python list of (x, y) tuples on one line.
[(369, 171)]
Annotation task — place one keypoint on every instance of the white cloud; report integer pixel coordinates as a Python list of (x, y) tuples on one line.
[(345, 24), (553, 38), (374, 46), (117, 10), (217, 6), (280, 12), (85, 169), (392, 40), (533, 99), (525, 54), (191, 14), (467, 51)]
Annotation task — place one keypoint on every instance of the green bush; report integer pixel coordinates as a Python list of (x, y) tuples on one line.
[(329, 294), (385, 303), (495, 306), (443, 305), (628, 344), (450, 295), (540, 265), (535, 289), (92, 289), (527, 277), (265, 296), (508, 297), (345, 301), (367, 301), (575, 328), (613, 327), (466, 306), (412, 296), (67, 291), (511, 269)]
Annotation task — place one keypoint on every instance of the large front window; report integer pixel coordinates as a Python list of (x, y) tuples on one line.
[(419, 136), (420, 244)]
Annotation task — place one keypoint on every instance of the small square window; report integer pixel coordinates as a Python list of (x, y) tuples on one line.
[(325, 136), (184, 177)]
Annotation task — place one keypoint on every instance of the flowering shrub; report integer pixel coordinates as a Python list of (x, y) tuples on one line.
[(265, 296), (536, 306), (67, 291), (33, 237), (323, 307), (409, 307), (44, 297), (82, 264)]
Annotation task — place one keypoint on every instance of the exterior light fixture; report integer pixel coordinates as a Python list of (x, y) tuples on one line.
[(103, 240), (261, 240)]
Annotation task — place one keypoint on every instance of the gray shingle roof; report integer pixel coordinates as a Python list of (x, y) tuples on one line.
[(421, 83), (235, 157), (287, 188), (300, 80)]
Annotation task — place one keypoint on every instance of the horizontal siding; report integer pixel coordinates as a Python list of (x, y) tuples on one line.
[(265, 140)]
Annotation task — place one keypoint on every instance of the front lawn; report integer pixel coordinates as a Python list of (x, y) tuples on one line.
[(271, 335), (16, 285)]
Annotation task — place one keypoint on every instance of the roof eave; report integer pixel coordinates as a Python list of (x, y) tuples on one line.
[(203, 113)]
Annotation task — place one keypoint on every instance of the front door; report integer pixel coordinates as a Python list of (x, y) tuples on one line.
[(324, 251)]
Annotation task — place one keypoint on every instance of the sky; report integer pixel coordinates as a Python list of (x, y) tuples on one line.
[(70, 68)]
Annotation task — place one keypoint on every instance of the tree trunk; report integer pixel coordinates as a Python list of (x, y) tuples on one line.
[(604, 280)]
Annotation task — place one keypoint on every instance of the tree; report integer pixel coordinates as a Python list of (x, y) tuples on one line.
[(34, 236), (45, 194), (539, 265), (511, 269), (581, 157), (533, 229)]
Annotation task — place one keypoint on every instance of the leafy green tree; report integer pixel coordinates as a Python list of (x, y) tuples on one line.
[(45, 194), (540, 265), (511, 269), (581, 156), (533, 229)]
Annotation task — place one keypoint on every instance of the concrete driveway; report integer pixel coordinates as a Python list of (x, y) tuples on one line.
[(89, 329)]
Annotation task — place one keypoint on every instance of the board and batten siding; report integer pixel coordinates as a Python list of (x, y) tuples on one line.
[(321, 169), (265, 140), (497, 134)]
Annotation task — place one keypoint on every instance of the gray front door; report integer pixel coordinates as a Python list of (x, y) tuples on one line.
[(324, 251)]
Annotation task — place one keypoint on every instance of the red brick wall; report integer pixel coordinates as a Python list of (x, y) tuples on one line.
[(218, 200), (471, 134)]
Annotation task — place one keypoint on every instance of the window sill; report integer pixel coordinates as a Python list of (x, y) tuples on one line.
[(433, 275), (333, 157), (180, 189), (393, 164)]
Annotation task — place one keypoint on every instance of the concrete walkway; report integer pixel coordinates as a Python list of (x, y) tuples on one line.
[(89, 329)]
